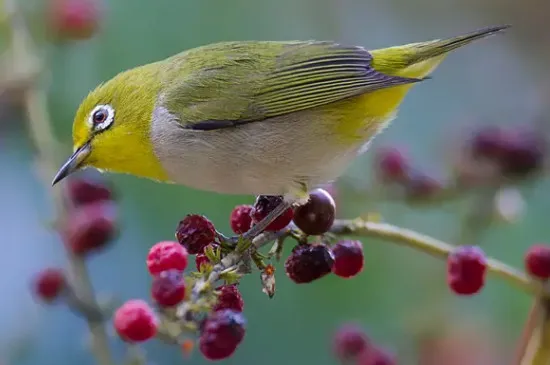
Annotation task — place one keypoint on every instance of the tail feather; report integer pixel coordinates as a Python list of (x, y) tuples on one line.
[(418, 60), (427, 50)]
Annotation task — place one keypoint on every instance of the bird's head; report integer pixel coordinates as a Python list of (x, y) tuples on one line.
[(111, 128)]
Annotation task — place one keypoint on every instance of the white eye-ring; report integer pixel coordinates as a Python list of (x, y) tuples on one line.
[(101, 117)]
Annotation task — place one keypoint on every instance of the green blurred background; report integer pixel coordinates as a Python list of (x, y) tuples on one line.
[(500, 80)]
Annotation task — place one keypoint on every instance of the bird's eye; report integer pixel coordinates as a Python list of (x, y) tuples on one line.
[(101, 117)]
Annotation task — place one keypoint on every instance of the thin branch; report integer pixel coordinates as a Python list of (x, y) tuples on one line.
[(35, 105), (436, 248)]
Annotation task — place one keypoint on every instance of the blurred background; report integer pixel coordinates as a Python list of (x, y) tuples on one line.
[(401, 297)]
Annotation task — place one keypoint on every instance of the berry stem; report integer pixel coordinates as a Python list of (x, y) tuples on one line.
[(434, 247), (537, 348), (35, 105), (229, 261)]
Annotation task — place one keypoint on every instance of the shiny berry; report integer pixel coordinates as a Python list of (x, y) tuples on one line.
[(166, 255), (466, 270), (90, 227), (348, 258), (317, 215), (74, 19), (221, 334), (392, 164), (168, 288), (240, 219), (49, 284), (229, 298), (376, 356), (537, 261), (135, 321), (307, 263), (264, 205), (83, 191), (194, 232), (349, 342)]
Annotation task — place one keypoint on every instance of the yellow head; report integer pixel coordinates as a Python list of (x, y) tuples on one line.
[(111, 129)]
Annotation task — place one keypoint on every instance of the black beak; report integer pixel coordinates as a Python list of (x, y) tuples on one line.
[(73, 163)]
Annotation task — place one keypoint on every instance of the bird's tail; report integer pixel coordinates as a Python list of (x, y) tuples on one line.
[(419, 59)]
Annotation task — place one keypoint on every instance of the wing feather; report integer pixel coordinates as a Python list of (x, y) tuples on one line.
[(251, 81)]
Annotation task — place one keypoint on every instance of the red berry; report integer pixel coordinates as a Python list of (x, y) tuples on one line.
[(376, 356), (222, 332), (74, 19), (166, 255), (317, 215), (229, 298), (49, 284), (202, 259), (489, 142), (348, 258), (466, 269), (392, 164), (194, 232), (537, 261), (307, 263), (90, 227), (349, 341), (168, 288), (240, 220), (517, 151), (135, 321), (524, 153), (82, 191), (264, 205), (420, 186)]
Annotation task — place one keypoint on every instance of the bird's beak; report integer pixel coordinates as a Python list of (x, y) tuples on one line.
[(73, 163)]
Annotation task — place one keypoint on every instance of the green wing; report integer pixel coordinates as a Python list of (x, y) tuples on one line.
[(228, 84)]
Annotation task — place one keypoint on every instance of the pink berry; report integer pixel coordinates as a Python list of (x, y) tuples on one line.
[(348, 258), (392, 164), (49, 284), (537, 261), (349, 341), (74, 19), (466, 270), (166, 255), (240, 219), (135, 321), (90, 228), (82, 191)]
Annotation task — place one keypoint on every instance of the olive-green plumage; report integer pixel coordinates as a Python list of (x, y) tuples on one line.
[(251, 117)]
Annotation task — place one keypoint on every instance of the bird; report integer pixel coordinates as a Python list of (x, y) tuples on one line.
[(251, 117)]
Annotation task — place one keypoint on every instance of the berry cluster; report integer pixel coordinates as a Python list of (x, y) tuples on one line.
[(393, 167), (195, 302), (351, 345), (492, 153)]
